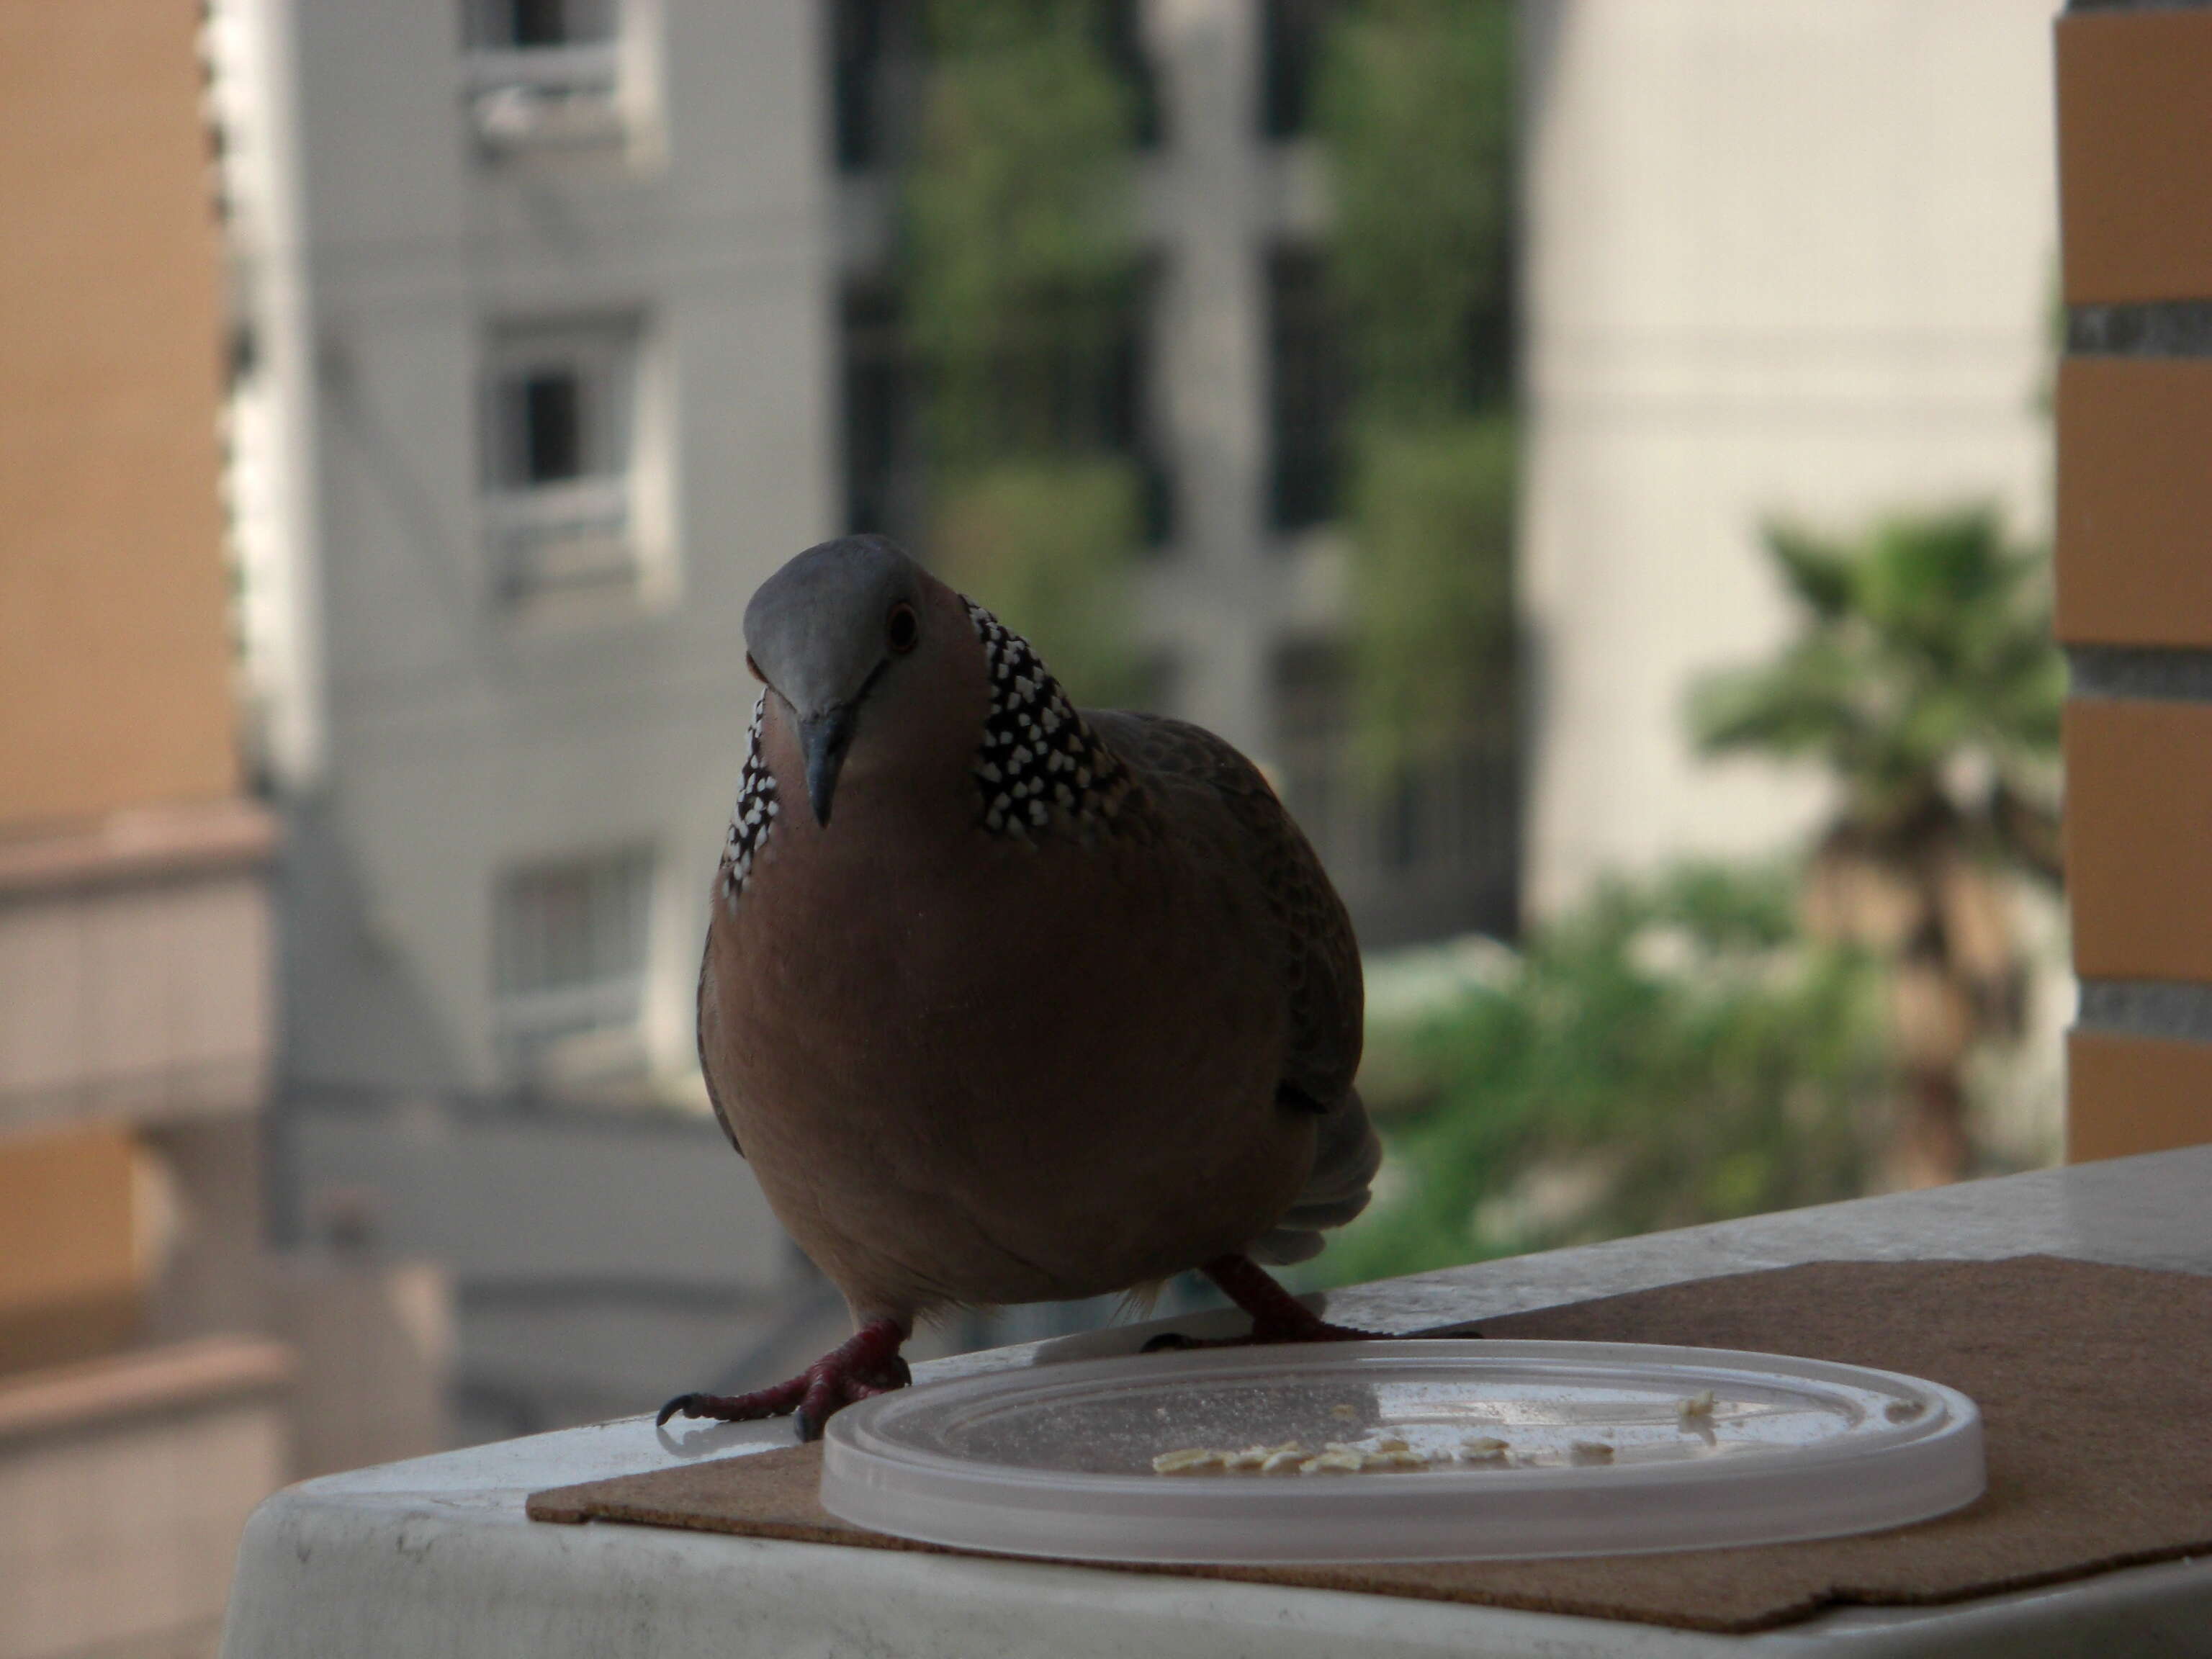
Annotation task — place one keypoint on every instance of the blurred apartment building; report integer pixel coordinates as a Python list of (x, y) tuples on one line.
[(1780, 258), (559, 325), (160, 1373)]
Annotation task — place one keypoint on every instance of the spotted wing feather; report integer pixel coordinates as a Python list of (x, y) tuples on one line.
[(1318, 955)]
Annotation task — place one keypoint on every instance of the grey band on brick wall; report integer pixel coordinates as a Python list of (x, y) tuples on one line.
[(2136, 5), (2146, 1007), (2169, 674), (2169, 328)]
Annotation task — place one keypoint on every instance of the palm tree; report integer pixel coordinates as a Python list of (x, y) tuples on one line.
[(1926, 683)]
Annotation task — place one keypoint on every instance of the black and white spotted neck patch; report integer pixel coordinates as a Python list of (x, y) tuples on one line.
[(1040, 765), (754, 814)]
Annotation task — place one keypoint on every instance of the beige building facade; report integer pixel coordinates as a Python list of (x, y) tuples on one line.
[(1789, 257)]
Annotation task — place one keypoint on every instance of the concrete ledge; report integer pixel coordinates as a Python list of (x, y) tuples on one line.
[(435, 1555)]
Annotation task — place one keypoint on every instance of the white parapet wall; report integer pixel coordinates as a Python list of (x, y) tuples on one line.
[(124, 1484)]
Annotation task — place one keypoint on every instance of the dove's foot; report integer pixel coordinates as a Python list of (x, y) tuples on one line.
[(1277, 1315), (866, 1364)]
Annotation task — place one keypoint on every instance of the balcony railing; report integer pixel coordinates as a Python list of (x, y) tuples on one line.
[(564, 535), (1430, 852), (527, 97)]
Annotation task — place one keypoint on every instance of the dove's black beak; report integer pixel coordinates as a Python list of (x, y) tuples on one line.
[(823, 739)]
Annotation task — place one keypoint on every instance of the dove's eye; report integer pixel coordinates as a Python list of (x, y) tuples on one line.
[(903, 629)]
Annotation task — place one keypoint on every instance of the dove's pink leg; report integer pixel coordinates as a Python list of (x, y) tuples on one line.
[(1277, 1315), (866, 1363)]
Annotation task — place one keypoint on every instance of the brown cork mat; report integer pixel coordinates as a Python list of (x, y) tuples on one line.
[(2095, 1386)]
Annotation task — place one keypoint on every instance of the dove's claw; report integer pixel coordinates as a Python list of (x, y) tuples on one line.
[(1277, 1315), (866, 1363)]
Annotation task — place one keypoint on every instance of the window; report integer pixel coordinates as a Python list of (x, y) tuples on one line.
[(1069, 381), (562, 413), (1291, 33), (877, 57), (1433, 847), (1124, 31), (882, 473), (875, 64), (1307, 390), (543, 71), (570, 942)]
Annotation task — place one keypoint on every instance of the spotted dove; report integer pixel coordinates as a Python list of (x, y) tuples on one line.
[(1007, 1000)]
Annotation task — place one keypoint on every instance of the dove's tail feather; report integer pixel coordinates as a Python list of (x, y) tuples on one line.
[(1346, 1154)]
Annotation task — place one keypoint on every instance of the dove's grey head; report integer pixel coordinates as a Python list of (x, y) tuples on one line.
[(825, 631)]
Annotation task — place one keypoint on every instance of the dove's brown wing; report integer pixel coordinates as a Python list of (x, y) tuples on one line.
[(1217, 803), (709, 1041), (1220, 804)]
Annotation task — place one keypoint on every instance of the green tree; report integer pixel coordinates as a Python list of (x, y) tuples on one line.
[(1925, 684), (1669, 1053), (1016, 257), (1415, 112)]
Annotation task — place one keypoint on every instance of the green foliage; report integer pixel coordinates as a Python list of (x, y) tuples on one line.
[(1926, 656), (1048, 539), (1416, 111), (1016, 251), (1016, 229), (1669, 1054), (1415, 106), (1926, 684), (1432, 612)]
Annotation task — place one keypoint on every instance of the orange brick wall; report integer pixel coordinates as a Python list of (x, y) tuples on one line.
[(114, 655), (2135, 569), (69, 1258)]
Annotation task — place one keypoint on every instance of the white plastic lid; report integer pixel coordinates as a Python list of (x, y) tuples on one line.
[(1603, 1448)]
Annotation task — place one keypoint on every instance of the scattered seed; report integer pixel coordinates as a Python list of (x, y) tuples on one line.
[(1334, 1462), (1188, 1461), (1484, 1448), (1901, 1410), (1698, 1405), (1349, 1413), (1593, 1451)]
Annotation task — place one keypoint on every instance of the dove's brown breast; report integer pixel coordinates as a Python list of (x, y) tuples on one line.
[(970, 1069)]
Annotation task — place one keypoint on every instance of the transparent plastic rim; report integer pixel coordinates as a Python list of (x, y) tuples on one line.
[(1883, 1476)]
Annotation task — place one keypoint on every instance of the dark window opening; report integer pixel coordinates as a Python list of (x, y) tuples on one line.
[(1429, 848), (877, 50), (882, 476), (539, 25), (1291, 33), (1307, 391), (1124, 24), (1069, 375), (875, 62), (552, 426)]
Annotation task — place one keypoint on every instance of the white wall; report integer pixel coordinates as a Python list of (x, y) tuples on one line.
[(461, 738), (1789, 257)]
